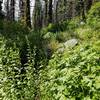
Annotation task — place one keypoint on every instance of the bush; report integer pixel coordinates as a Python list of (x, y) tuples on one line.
[(73, 23), (84, 34), (93, 18), (16, 81), (73, 76), (87, 33), (58, 27), (13, 30), (21, 54)]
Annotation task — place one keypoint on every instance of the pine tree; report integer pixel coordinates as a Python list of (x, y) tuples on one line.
[(28, 18), (12, 10), (50, 12), (37, 15)]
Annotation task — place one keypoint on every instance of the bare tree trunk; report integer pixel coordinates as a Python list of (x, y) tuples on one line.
[(88, 4), (12, 10), (83, 10), (0, 8), (73, 8), (7, 10), (46, 11), (65, 9), (81, 6), (50, 12), (56, 12), (22, 9), (28, 18), (24, 6), (37, 15)]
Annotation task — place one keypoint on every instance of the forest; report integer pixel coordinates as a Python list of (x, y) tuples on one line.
[(49, 49)]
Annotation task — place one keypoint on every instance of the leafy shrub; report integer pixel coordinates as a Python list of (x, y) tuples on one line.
[(13, 30), (14, 84), (73, 76), (73, 23), (93, 18), (87, 33), (58, 27), (84, 34)]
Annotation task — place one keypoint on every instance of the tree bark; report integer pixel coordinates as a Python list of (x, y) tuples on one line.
[(22, 9), (12, 10), (50, 12), (0, 8), (7, 9), (28, 18), (88, 4), (37, 16), (46, 11)]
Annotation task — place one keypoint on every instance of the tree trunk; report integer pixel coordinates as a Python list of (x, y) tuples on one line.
[(56, 12), (88, 4), (37, 16), (7, 10), (65, 9), (12, 10), (22, 9), (0, 9), (28, 18), (50, 12), (83, 10), (46, 11)]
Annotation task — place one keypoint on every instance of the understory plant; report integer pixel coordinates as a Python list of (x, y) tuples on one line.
[(73, 76)]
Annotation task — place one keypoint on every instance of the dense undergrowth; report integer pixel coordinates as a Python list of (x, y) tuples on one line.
[(28, 72), (73, 75)]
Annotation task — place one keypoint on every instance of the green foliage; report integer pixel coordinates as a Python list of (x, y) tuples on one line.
[(10, 65), (93, 18), (73, 24), (58, 27), (61, 31), (15, 85), (62, 26), (74, 75), (20, 55), (87, 33), (27, 74)]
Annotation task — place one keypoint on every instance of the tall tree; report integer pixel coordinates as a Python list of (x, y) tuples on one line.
[(7, 9), (83, 9), (46, 11), (0, 8), (56, 18), (25, 18), (22, 9), (65, 9), (50, 12), (88, 4), (12, 10), (37, 15), (28, 18)]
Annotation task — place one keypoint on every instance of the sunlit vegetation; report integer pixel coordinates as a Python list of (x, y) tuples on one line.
[(57, 61)]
